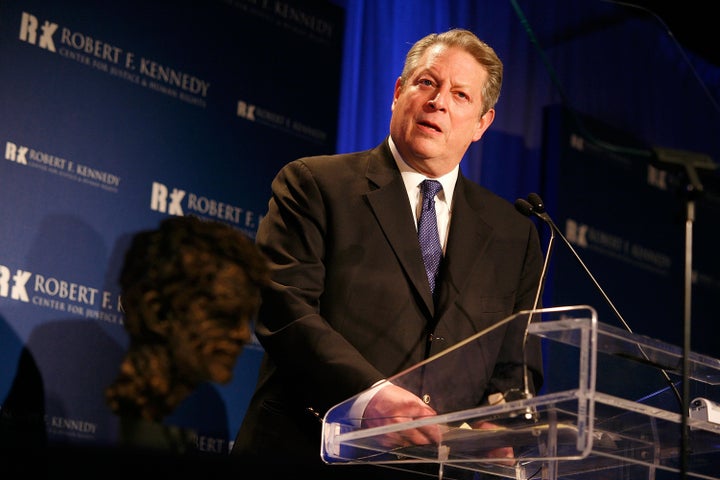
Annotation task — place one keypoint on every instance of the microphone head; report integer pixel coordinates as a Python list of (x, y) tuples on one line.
[(536, 202), (524, 207)]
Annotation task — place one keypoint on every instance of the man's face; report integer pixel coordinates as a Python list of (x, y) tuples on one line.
[(436, 114)]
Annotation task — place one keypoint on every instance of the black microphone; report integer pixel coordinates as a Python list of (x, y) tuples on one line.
[(537, 208)]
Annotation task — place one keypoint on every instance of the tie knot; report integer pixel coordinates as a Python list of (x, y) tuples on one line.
[(430, 188)]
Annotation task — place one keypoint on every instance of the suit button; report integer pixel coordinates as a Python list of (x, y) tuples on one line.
[(436, 338), (426, 398)]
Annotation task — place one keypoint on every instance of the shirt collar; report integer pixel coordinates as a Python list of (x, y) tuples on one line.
[(412, 178)]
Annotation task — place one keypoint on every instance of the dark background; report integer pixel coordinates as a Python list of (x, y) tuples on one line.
[(691, 22)]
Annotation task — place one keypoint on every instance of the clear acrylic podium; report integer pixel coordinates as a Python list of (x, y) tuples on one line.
[(606, 411)]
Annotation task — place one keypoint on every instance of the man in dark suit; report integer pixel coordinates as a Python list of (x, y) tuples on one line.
[(351, 303)]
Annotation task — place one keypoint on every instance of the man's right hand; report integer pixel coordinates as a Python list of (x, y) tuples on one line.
[(393, 404)]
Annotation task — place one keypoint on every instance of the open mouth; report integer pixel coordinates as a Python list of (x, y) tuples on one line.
[(430, 125)]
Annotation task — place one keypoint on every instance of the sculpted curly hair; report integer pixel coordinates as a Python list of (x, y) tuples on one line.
[(179, 282)]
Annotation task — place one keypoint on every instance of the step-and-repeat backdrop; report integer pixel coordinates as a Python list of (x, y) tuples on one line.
[(113, 117)]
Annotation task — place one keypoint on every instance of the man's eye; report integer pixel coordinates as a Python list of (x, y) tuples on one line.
[(426, 82)]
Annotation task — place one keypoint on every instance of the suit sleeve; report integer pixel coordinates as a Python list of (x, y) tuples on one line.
[(322, 365)]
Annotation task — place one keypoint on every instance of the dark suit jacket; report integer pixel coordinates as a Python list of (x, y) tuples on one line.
[(351, 303)]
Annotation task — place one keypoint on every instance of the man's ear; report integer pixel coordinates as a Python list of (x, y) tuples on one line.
[(396, 92), (485, 121)]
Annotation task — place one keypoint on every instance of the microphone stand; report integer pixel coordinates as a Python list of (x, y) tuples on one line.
[(536, 302), (694, 188), (687, 308), (526, 209)]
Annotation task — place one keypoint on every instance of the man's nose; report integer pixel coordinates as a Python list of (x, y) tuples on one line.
[(437, 102)]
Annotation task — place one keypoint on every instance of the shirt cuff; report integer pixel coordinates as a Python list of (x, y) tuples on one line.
[(357, 410)]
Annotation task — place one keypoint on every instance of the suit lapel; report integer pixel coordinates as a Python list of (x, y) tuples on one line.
[(468, 238), (397, 223)]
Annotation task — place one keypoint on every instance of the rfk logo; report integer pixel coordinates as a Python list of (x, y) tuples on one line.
[(576, 233), (16, 153), (246, 110), (29, 32), (163, 202), (14, 283)]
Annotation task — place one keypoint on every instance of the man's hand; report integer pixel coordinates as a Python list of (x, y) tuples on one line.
[(393, 404), (502, 452)]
